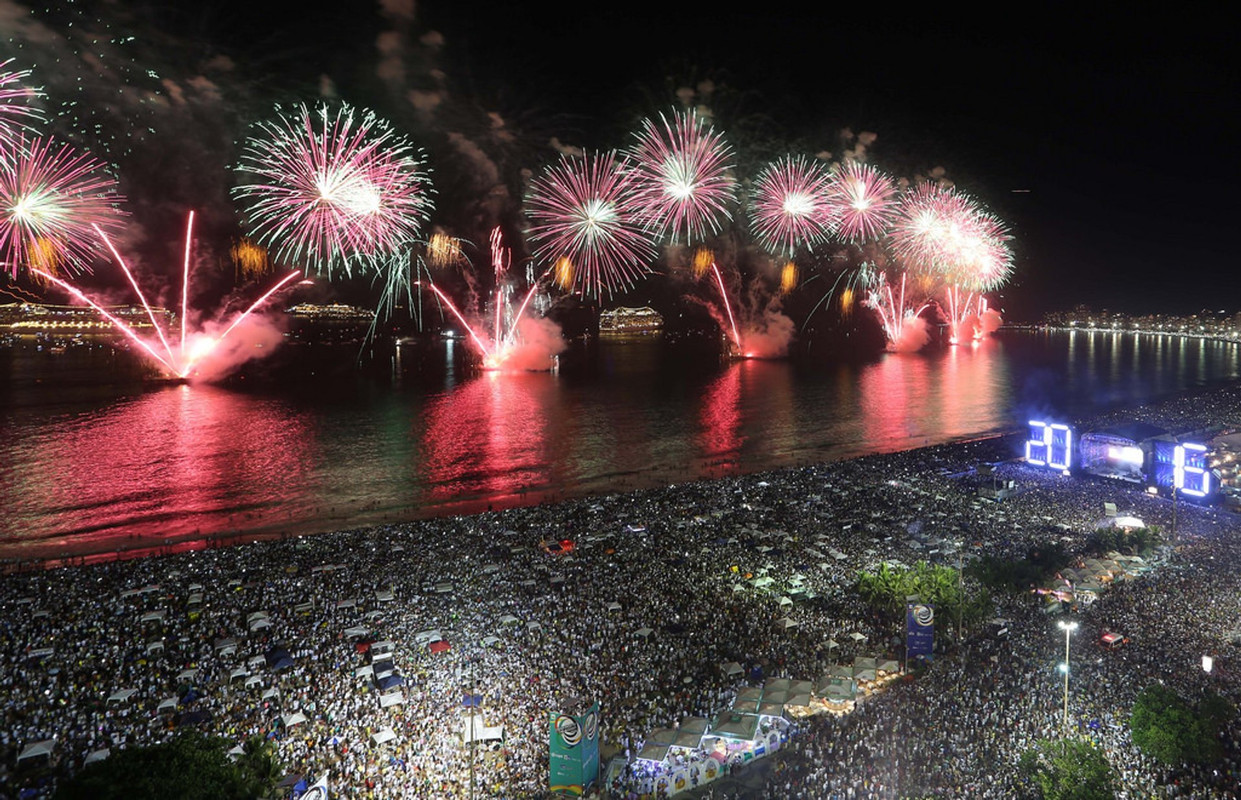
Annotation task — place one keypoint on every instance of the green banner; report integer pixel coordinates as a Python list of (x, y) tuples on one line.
[(574, 751)]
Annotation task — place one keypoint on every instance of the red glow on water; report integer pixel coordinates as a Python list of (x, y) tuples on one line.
[(489, 438), (720, 418), (158, 471)]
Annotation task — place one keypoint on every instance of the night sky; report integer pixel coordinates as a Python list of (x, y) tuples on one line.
[(1104, 141)]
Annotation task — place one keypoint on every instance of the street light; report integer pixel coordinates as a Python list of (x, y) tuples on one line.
[(1068, 628)]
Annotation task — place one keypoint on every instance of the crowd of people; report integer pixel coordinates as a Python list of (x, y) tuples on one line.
[(660, 588)]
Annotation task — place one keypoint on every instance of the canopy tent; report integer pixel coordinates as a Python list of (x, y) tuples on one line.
[(271, 694), (97, 755), (118, 697), (439, 647), (389, 682), (391, 699), (278, 659), (432, 635), (734, 725), (384, 595), (289, 720), (382, 648), (167, 704), (383, 735), (37, 750), (475, 729), (657, 744), (731, 668)]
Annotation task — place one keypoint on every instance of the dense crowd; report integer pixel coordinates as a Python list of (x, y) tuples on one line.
[(661, 588)]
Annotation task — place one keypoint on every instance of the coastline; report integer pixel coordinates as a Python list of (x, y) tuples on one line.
[(666, 560)]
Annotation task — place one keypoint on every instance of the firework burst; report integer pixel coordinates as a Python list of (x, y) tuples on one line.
[(52, 200), (16, 115), (864, 202), (940, 231), (790, 207), (331, 189), (682, 169), (583, 209)]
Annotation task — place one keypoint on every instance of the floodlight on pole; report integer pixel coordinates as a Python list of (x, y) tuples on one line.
[(1068, 627)]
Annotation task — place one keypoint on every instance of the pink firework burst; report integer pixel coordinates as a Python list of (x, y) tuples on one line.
[(943, 231), (330, 189), (583, 209), (16, 115), (791, 208), (52, 200), (682, 169), (864, 202)]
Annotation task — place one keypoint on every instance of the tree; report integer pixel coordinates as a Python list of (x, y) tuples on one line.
[(1172, 731), (191, 766), (1068, 769)]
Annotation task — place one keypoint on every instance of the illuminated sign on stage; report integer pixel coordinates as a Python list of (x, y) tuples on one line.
[(1049, 445), (1190, 473), (1183, 467)]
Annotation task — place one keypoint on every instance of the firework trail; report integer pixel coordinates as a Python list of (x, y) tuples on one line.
[(584, 209), (17, 118), (52, 198), (682, 169), (902, 325), (195, 351), (864, 202), (516, 342), (790, 208), (332, 190)]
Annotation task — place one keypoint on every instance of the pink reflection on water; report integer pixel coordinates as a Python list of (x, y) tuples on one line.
[(172, 465), (489, 438), (910, 399)]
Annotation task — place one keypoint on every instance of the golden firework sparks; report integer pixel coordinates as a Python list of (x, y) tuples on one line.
[(249, 259), (444, 251), (704, 257), (564, 272), (788, 278)]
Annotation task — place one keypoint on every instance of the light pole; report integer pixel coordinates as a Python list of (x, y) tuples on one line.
[(1068, 628)]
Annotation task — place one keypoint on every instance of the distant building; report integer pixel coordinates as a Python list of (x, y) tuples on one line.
[(630, 321), (332, 312)]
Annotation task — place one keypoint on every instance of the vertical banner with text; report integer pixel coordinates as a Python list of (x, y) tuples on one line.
[(574, 751), (919, 631)]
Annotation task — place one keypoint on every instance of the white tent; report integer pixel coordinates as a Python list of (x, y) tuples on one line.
[(395, 698), (474, 728), (187, 674), (296, 718), (382, 648), (384, 595), (121, 696), (731, 668), (272, 693), (153, 616), (785, 623), (97, 755), (43, 748), (167, 704), (384, 735)]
